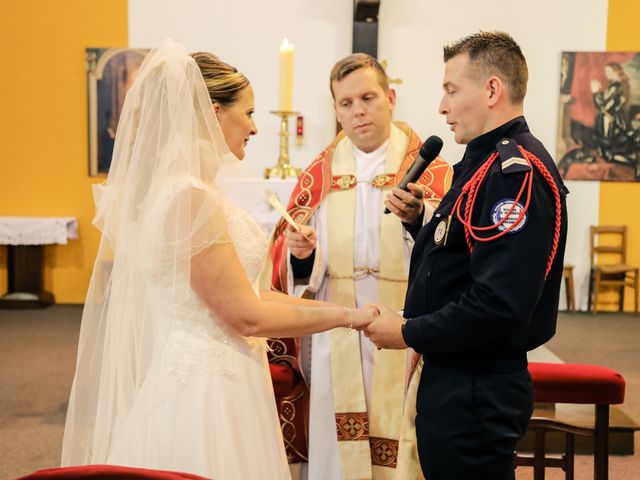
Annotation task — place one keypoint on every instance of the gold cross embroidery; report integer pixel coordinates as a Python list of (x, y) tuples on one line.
[(353, 426)]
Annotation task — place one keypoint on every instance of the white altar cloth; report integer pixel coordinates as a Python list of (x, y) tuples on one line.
[(37, 230)]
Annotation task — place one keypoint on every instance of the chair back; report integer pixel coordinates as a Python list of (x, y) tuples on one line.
[(608, 245)]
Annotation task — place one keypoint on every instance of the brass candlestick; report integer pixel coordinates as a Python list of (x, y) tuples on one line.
[(283, 169)]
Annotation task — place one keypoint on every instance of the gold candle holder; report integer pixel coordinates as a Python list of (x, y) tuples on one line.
[(283, 169)]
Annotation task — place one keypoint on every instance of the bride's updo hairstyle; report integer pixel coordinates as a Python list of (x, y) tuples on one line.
[(223, 81)]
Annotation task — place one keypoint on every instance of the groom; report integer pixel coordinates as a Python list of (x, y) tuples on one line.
[(474, 308)]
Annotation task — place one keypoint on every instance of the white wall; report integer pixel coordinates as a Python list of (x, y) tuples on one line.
[(582, 203), (247, 33), (412, 34)]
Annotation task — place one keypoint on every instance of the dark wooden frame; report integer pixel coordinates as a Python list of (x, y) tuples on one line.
[(539, 460), (618, 275)]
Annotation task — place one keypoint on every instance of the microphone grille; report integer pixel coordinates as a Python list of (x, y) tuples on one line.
[(431, 147)]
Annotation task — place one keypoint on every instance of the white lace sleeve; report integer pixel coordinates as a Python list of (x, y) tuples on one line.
[(186, 220)]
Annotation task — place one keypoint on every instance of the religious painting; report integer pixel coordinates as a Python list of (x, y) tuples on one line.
[(599, 116), (110, 73)]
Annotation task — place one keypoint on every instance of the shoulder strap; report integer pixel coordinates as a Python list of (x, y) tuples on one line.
[(511, 158)]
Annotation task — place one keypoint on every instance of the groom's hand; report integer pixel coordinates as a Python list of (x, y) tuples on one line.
[(386, 329)]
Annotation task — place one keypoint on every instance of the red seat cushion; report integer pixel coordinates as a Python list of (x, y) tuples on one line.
[(576, 383), (105, 472), (282, 378)]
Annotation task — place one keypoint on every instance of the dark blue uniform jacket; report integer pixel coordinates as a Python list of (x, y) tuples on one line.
[(492, 303)]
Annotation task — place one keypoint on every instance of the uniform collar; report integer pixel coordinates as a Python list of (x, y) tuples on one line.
[(478, 148)]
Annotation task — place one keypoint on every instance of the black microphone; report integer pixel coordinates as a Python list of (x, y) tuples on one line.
[(428, 152)]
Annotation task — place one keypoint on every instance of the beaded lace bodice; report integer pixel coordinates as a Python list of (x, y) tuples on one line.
[(248, 239), (196, 340)]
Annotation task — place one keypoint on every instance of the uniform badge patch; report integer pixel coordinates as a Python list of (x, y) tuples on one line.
[(440, 232), (500, 211)]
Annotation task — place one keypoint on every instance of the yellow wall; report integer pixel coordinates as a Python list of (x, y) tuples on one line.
[(620, 202), (43, 124)]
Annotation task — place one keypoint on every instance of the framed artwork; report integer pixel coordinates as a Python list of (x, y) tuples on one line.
[(599, 116), (110, 73)]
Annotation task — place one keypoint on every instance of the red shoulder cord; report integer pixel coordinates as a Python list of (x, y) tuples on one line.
[(471, 188)]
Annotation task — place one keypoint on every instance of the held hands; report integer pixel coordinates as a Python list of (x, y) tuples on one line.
[(361, 317), (385, 331), (299, 246), (406, 205)]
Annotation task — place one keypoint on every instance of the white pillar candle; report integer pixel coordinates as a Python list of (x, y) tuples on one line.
[(286, 76)]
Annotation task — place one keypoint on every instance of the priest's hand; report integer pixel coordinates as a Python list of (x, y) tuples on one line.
[(386, 330), (407, 206), (301, 244)]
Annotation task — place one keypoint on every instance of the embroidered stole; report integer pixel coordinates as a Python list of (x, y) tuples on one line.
[(368, 443), (372, 442)]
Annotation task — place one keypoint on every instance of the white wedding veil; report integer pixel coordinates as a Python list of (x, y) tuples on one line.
[(159, 206)]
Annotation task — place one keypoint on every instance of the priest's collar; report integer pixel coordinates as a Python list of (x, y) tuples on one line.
[(380, 152), (480, 147)]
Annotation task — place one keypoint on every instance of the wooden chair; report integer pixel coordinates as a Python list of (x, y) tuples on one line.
[(572, 383), (567, 276), (609, 266)]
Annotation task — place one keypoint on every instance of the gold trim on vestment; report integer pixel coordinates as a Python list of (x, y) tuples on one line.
[(343, 182), (289, 432), (352, 426), (384, 451), (383, 180), (347, 182)]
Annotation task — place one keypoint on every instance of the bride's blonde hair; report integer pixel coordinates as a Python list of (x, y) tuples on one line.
[(224, 82)]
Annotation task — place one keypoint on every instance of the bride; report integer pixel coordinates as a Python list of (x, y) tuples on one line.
[(171, 372)]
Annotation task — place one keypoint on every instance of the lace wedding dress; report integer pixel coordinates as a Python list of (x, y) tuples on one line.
[(160, 382), (207, 404)]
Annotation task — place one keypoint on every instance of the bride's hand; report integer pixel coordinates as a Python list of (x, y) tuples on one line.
[(362, 317)]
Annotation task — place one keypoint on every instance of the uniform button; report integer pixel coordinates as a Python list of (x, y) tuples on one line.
[(428, 274)]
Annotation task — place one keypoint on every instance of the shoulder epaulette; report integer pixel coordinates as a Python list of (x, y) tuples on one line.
[(511, 160)]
